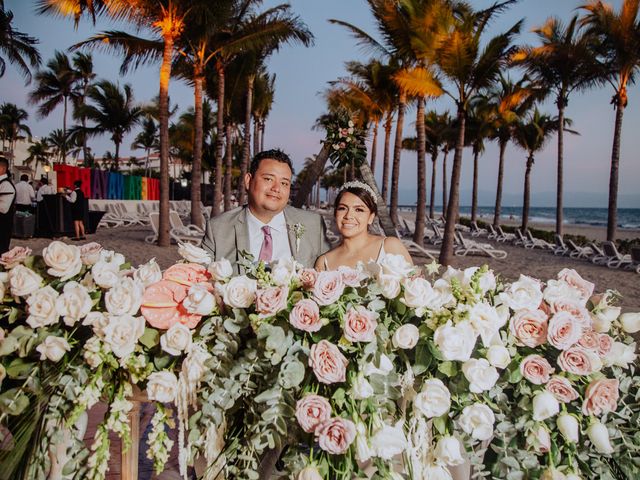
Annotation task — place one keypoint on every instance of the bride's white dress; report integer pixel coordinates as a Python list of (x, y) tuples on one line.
[(381, 255)]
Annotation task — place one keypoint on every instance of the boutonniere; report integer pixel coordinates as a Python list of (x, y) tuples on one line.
[(298, 230)]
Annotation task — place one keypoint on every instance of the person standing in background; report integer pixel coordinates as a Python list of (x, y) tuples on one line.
[(25, 195), (45, 189), (7, 206), (76, 198)]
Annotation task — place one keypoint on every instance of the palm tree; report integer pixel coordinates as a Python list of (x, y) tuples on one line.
[(58, 140), (619, 35), (479, 127), (563, 62), (83, 65), (263, 97), (147, 140), (12, 123), (38, 152), (531, 135), (470, 65), (55, 86), (17, 47), (113, 111)]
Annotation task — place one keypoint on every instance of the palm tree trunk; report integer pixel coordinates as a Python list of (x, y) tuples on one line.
[(434, 158), (444, 182), (527, 193), (217, 186), (385, 159), (383, 212), (256, 135), (498, 206), (196, 168), (228, 168), (446, 252), (560, 174), (421, 207), (374, 147), (164, 239), (612, 220), (64, 131), (117, 155), (397, 150), (246, 150), (314, 172), (263, 123), (85, 150), (474, 194)]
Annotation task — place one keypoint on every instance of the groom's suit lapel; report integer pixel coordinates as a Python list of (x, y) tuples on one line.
[(290, 218), (241, 234)]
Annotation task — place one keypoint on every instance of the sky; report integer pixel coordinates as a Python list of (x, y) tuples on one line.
[(302, 74)]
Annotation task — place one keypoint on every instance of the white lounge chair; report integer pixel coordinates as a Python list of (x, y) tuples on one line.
[(476, 231), (561, 247), (492, 232), (537, 242), (635, 260), (182, 233), (614, 258), (154, 221), (598, 257), (504, 237), (576, 251), (470, 247), (416, 249)]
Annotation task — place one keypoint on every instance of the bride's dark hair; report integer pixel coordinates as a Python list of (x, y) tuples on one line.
[(362, 194)]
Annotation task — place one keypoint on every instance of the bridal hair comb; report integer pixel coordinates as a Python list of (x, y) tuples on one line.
[(362, 185)]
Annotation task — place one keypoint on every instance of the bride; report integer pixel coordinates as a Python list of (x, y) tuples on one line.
[(355, 209)]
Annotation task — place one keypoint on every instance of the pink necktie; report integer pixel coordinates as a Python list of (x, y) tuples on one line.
[(266, 251)]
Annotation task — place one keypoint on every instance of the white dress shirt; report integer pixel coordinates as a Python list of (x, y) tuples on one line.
[(45, 190), (6, 200), (24, 193), (279, 236)]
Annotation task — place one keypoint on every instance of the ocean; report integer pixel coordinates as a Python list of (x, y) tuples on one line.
[(627, 217)]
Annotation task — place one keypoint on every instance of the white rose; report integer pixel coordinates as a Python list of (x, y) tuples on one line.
[(480, 374), (194, 254), (418, 294), (53, 348), (74, 304), (361, 388), (384, 368), (630, 322), (122, 333), (23, 281), (569, 427), (449, 451), (559, 290), (42, 307), (90, 253), (406, 337), (573, 476), (603, 318), (240, 292), (599, 436), (389, 285), (620, 355), (455, 342), (363, 450), (176, 340), (477, 420), (193, 366), (389, 441), (125, 297), (434, 471), (149, 273), (3, 373), (539, 439), (105, 275), (553, 474), (445, 294), (111, 257), (309, 473), (220, 270), (63, 260), (97, 321), (486, 321), (199, 300), (463, 277), (498, 356), (162, 386), (487, 282), (545, 405), (283, 271), (395, 266), (523, 294), (433, 400)]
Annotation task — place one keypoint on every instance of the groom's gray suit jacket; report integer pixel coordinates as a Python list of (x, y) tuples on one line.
[(228, 234)]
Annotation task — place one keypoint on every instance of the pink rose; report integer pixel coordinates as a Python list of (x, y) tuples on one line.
[(187, 274), (90, 253), (308, 278), (14, 257), (329, 365), (271, 300), (162, 305), (572, 277), (562, 389), (601, 397), (589, 340), (360, 325), (312, 411), (305, 315), (577, 360), (536, 369), (563, 331), (328, 288), (529, 327), (336, 435), (580, 314), (350, 276), (605, 342)]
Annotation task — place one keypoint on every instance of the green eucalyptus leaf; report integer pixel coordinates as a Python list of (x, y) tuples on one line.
[(448, 368), (150, 338), (20, 368), (8, 345), (13, 401)]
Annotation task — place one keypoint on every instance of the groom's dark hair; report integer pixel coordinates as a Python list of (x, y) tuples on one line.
[(275, 154)]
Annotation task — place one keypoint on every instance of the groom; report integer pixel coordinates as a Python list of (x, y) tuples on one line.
[(267, 228)]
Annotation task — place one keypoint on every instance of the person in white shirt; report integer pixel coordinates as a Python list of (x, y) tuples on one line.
[(45, 189), (7, 206), (25, 195)]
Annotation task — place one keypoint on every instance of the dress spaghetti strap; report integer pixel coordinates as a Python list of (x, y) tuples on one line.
[(381, 252), (326, 264)]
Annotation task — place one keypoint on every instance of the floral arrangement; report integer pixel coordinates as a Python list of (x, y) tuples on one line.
[(375, 372), (344, 139)]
